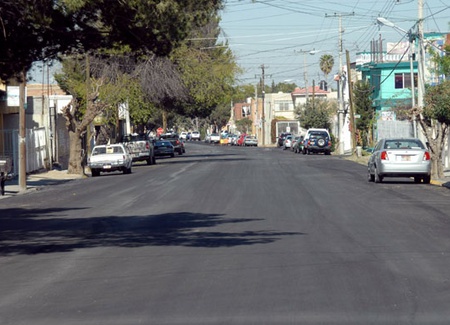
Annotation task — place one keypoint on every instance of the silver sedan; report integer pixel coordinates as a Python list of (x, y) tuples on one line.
[(399, 158)]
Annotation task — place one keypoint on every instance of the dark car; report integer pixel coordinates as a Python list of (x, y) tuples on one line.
[(317, 140), (297, 146), (164, 148), (176, 142), (282, 137)]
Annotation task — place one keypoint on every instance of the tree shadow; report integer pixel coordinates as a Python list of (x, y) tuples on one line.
[(51, 231)]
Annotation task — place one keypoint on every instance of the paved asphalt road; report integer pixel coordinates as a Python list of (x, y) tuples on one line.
[(227, 235)]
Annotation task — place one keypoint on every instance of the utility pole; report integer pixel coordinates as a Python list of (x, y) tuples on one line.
[(263, 115), (350, 101), (22, 135), (420, 56), (341, 85)]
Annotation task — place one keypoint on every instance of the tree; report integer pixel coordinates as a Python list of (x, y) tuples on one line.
[(326, 64), (48, 28), (363, 107), (434, 120), (207, 70), (316, 113), (441, 62), (244, 125)]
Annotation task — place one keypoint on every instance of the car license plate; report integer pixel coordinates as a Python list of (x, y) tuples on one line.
[(405, 158), (107, 167)]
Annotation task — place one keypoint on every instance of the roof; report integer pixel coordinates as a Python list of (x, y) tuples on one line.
[(302, 91)]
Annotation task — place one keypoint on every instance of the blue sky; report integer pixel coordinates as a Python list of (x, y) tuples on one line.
[(281, 33)]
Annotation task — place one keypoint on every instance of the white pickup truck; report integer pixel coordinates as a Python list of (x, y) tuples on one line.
[(140, 147), (110, 158)]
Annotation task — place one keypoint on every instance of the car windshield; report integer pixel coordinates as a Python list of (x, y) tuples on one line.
[(403, 144)]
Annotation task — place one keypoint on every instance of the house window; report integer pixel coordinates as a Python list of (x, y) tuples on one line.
[(403, 80), (283, 105)]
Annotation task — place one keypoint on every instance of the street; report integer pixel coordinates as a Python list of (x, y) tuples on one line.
[(228, 235)]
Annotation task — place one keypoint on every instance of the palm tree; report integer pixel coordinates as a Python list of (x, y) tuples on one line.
[(326, 64)]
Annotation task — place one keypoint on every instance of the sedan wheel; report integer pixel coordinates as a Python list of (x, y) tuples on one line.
[(427, 179), (377, 177), (370, 177)]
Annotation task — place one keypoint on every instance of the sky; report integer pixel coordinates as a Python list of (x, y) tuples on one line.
[(288, 37)]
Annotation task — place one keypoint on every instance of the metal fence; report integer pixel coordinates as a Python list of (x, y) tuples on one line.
[(394, 129), (36, 149)]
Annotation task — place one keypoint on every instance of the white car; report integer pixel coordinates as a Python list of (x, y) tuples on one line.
[(110, 158), (195, 136), (214, 138), (183, 135)]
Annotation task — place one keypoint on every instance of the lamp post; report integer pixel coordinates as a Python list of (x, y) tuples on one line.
[(305, 71), (385, 22)]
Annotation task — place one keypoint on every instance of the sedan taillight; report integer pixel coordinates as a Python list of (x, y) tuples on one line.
[(384, 156), (426, 156)]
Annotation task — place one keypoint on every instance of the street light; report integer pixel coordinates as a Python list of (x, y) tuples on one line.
[(305, 73), (385, 22)]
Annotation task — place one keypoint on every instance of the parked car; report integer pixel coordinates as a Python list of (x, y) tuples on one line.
[(176, 142), (250, 141), (208, 138), (195, 136), (215, 138), (224, 139), (287, 142), (317, 140), (281, 138), (297, 146), (110, 158), (240, 140), (164, 148), (399, 158), (183, 135), (232, 138), (140, 147)]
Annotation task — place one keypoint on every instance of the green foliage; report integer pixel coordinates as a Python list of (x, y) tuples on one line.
[(244, 125), (362, 101), (220, 116), (47, 28), (208, 71), (437, 103), (326, 64), (242, 92), (316, 113), (442, 63), (284, 87)]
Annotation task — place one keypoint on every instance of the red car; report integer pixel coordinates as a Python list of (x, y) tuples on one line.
[(240, 140)]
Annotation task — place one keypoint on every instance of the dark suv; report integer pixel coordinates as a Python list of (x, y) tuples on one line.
[(282, 137), (317, 140)]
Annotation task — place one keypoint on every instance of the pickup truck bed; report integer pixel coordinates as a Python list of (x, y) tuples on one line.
[(140, 148)]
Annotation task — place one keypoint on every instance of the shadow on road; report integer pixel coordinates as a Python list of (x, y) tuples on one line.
[(49, 231)]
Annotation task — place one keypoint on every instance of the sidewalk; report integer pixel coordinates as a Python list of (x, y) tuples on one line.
[(36, 181)]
